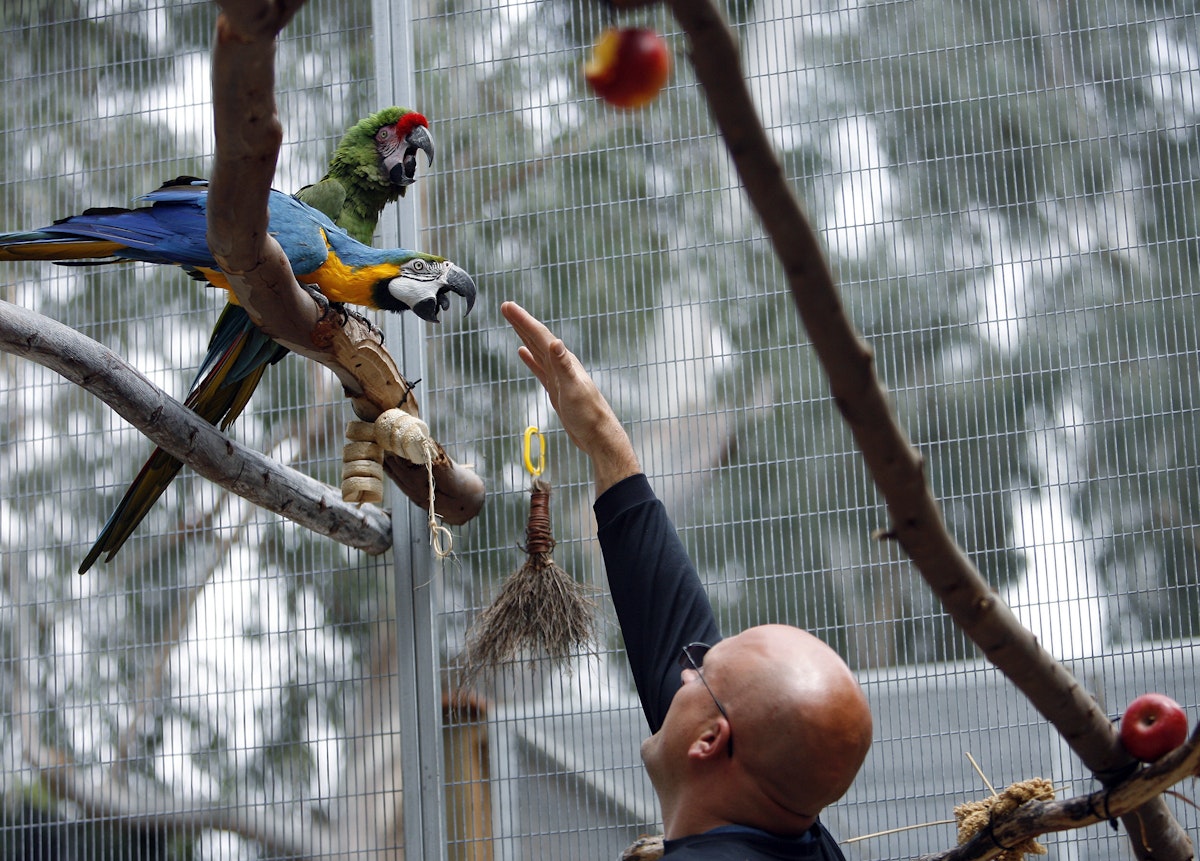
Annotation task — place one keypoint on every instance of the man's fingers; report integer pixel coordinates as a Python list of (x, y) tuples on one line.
[(559, 353), (532, 363), (542, 352), (531, 329), (541, 345)]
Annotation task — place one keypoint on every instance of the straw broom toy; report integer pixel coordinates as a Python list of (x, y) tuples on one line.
[(540, 609)]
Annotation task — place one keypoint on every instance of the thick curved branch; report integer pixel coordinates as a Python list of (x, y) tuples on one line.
[(896, 467), (248, 135), (188, 437)]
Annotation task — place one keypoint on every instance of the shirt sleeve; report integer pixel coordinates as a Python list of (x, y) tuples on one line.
[(660, 602)]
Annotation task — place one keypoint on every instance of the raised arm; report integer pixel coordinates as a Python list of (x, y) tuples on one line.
[(659, 600)]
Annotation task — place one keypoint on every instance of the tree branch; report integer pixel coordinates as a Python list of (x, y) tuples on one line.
[(188, 437), (896, 467), (248, 135)]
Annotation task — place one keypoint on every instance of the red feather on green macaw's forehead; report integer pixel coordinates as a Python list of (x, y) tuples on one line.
[(409, 121)]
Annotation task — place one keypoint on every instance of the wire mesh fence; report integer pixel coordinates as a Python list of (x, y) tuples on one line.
[(1008, 196)]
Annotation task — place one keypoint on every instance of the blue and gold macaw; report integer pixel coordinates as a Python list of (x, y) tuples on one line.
[(172, 230)]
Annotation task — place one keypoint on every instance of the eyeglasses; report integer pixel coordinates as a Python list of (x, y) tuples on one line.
[(691, 657)]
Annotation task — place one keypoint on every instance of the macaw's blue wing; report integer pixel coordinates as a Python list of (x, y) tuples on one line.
[(238, 354), (172, 231)]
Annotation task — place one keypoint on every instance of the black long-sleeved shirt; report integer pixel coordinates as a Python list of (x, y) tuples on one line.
[(662, 607)]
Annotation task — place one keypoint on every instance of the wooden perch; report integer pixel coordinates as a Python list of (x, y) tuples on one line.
[(896, 467), (248, 135), (185, 435)]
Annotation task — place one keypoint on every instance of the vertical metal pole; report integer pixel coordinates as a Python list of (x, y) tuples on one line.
[(417, 595)]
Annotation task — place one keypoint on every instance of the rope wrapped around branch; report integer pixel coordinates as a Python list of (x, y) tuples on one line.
[(975, 816)]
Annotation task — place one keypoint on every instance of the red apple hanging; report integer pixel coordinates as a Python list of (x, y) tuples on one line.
[(1153, 725), (628, 66)]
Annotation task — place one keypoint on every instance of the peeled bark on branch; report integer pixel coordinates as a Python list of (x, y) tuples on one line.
[(896, 467)]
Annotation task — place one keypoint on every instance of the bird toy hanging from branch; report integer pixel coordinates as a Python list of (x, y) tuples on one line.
[(400, 433), (540, 609)]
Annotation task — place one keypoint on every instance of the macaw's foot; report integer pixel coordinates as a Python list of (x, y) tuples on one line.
[(317, 296), (364, 320)]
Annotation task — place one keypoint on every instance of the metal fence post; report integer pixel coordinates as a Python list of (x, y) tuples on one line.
[(417, 593)]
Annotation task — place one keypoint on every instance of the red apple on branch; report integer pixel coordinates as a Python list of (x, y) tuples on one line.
[(1153, 725), (628, 66)]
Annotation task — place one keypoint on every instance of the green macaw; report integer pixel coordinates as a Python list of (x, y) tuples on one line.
[(372, 166)]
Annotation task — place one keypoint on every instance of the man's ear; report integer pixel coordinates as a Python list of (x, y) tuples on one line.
[(712, 741)]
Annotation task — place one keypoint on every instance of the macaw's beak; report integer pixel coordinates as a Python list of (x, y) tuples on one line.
[(404, 172), (452, 280), (457, 281)]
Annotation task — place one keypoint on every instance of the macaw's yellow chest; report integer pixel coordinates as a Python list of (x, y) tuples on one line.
[(341, 282), (336, 279)]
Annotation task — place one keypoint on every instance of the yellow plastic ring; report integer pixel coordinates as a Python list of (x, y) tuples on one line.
[(527, 451)]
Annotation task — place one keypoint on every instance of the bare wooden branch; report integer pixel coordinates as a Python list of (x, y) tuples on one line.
[(896, 467), (258, 19), (185, 435), (248, 134)]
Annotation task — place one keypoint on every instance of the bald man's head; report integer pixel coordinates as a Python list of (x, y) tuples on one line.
[(801, 721)]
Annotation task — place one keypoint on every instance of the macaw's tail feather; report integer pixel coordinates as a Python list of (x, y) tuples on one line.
[(169, 234), (155, 476), (42, 245), (238, 354)]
